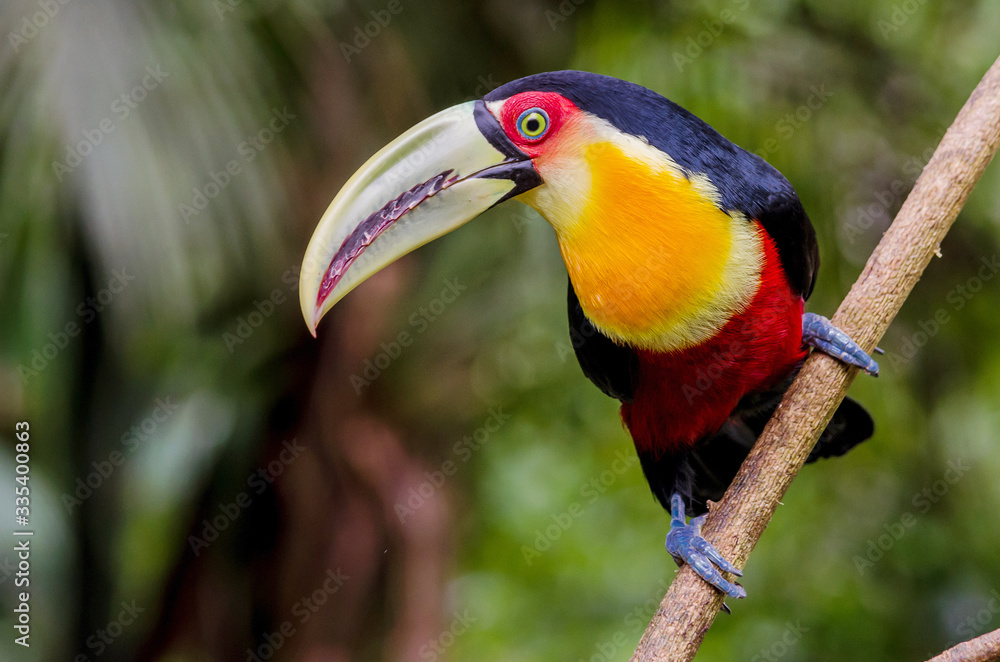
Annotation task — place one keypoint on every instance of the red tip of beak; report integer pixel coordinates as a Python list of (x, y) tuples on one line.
[(314, 322)]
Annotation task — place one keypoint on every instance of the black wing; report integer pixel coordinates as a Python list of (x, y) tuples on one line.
[(610, 366), (786, 222)]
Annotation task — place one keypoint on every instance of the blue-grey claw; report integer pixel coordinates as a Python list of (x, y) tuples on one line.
[(818, 332), (686, 545)]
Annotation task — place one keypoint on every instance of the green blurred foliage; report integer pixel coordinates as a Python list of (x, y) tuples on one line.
[(558, 544)]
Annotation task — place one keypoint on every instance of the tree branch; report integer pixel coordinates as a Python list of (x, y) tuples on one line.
[(985, 648), (738, 520)]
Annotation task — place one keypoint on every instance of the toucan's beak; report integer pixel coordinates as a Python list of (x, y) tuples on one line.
[(437, 176)]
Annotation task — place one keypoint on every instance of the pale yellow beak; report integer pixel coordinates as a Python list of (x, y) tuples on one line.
[(437, 176)]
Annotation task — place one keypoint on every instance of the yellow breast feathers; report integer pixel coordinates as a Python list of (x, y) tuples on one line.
[(655, 262)]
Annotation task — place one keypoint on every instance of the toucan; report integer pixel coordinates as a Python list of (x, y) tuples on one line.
[(689, 263)]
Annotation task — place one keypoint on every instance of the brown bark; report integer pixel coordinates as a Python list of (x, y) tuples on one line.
[(737, 522), (985, 648)]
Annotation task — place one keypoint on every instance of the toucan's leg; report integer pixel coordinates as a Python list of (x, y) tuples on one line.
[(819, 332), (685, 544)]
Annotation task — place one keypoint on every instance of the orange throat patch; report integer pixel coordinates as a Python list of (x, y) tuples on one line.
[(655, 262)]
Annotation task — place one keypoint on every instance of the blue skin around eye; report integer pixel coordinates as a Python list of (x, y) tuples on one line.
[(544, 118)]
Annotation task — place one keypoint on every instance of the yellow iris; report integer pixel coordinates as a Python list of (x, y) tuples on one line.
[(533, 123)]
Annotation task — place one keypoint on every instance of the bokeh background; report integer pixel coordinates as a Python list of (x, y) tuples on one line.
[(210, 483)]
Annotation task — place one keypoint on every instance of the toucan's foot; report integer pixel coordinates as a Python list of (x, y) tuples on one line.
[(819, 332), (685, 544)]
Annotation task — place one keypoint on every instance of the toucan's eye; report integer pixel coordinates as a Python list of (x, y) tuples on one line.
[(533, 123)]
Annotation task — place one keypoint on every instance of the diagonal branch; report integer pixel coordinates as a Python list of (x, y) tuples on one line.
[(984, 648), (738, 520)]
